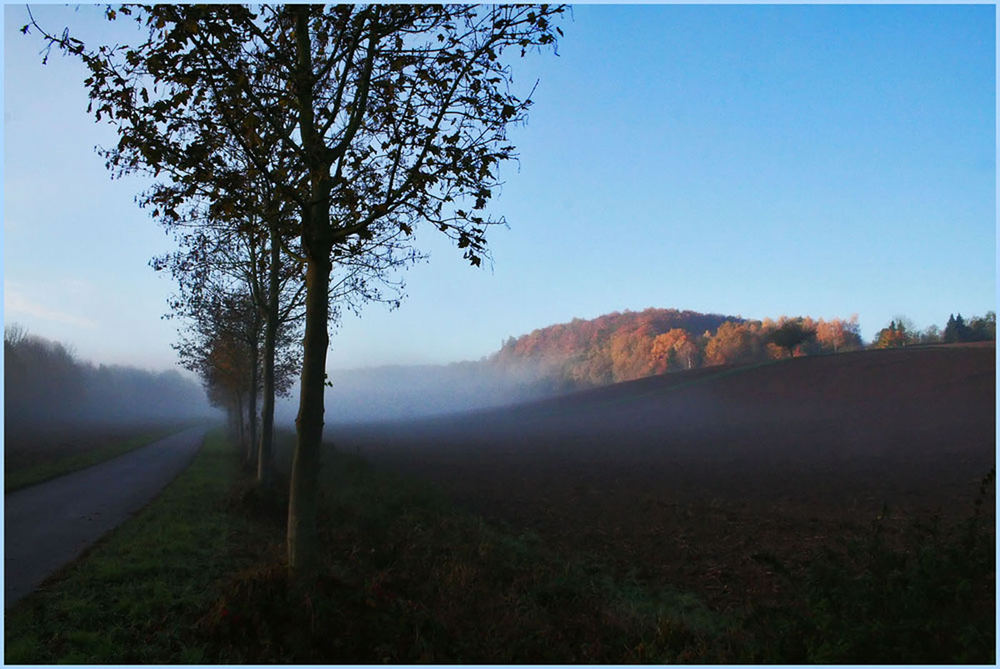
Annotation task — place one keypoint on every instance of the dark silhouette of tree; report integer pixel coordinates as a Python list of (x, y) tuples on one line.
[(956, 330), (790, 334), (247, 234), (236, 235), (979, 328), (228, 254), (402, 117), (391, 116), (950, 335)]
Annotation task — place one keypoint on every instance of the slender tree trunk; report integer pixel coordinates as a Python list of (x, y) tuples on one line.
[(234, 428), (240, 435), (302, 503), (317, 242), (265, 457), (252, 399)]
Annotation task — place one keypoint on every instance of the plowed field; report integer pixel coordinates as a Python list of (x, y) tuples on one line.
[(709, 479)]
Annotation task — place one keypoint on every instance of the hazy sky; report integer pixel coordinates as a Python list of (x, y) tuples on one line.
[(751, 160)]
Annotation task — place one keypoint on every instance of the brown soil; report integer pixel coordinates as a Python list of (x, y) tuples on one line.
[(717, 479)]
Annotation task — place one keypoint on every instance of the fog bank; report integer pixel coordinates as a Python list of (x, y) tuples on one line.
[(400, 392), (45, 387)]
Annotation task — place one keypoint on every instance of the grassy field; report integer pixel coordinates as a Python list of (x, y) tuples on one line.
[(28, 461), (407, 577)]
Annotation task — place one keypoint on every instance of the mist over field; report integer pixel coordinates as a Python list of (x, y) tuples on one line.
[(400, 392), (589, 354)]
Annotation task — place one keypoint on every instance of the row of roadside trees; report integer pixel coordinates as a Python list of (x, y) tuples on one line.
[(295, 149)]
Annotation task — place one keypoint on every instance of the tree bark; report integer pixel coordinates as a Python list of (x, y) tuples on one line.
[(302, 503), (239, 420), (318, 237), (252, 399), (265, 457), (317, 242)]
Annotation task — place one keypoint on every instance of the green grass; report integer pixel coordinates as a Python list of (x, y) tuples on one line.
[(49, 469), (134, 597)]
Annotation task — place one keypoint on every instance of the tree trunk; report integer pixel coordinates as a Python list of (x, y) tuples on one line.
[(317, 242), (252, 399), (309, 424), (239, 421), (265, 457)]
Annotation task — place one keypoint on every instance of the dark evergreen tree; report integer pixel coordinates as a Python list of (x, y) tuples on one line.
[(950, 330), (962, 330)]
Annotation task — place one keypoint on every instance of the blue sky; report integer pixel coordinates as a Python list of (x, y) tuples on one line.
[(753, 160)]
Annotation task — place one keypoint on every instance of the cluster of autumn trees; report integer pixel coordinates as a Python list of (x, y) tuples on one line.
[(630, 345), (295, 149), (45, 385), (622, 346)]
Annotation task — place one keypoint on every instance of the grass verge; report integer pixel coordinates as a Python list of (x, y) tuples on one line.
[(50, 469), (133, 597)]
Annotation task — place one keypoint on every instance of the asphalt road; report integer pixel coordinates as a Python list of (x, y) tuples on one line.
[(48, 525)]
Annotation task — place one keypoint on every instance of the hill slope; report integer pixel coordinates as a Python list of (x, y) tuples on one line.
[(925, 399), (692, 474)]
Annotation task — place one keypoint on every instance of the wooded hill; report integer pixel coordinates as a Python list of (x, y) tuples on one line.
[(46, 386), (622, 346)]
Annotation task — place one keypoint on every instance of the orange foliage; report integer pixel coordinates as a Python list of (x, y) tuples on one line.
[(735, 343), (674, 349), (621, 346), (838, 335)]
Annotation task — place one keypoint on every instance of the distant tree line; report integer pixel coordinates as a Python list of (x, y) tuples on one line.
[(901, 331), (46, 385), (622, 346)]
